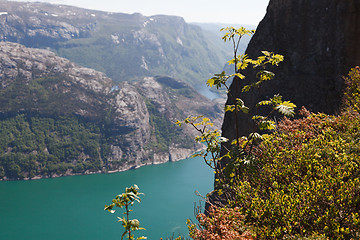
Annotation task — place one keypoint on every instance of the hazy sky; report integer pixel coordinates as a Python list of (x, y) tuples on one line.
[(220, 11)]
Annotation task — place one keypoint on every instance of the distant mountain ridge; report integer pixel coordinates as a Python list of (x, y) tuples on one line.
[(126, 47)]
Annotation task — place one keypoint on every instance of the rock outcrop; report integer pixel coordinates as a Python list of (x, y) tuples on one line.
[(131, 125), (76, 84), (43, 24), (319, 41)]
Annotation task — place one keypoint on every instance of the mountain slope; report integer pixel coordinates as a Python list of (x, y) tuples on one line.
[(58, 118), (213, 34), (125, 47)]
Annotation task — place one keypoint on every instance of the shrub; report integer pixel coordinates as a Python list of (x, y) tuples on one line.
[(352, 92), (219, 224), (302, 181), (307, 180)]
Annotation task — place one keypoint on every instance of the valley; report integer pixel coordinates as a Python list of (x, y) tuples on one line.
[(58, 118), (85, 91)]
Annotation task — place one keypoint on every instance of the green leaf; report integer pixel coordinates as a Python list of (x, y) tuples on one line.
[(259, 61), (243, 62), (255, 136), (246, 88), (265, 75), (178, 123), (218, 80), (241, 105), (286, 108), (267, 125), (210, 82), (258, 117), (205, 120), (266, 53), (264, 103), (239, 75), (276, 100), (232, 61), (229, 108), (276, 59), (109, 208)]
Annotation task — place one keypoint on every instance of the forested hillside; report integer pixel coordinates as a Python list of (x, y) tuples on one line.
[(58, 118)]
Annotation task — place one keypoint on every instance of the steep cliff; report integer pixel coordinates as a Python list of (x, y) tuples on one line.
[(58, 118), (319, 40), (123, 46)]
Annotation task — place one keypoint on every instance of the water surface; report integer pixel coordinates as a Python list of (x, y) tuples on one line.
[(72, 207), (206, 91)]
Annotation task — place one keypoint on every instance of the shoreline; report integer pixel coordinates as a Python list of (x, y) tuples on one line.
[(122, 169)]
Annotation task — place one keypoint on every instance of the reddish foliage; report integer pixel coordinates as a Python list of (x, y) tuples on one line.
[(220, 224)]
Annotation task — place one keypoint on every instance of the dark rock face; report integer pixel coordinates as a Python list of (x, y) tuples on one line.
[(320, 43), (352, 33)]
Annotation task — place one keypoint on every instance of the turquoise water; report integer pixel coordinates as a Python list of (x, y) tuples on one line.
[(72, 207)]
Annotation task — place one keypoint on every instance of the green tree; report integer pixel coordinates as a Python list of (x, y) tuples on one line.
[(299, 180), (240, 152), (127, 199)]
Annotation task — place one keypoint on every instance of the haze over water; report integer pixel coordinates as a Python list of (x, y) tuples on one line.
[(72, 207)]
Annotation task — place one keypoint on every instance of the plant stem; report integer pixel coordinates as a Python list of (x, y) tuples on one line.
[(127, 218)]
